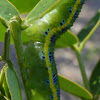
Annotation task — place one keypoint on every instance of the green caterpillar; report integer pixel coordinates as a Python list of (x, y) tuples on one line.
[(48, 29)]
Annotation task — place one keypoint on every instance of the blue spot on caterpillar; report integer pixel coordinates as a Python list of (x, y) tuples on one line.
[(58, 92), (46, 33), (48, 29), (51, 97), (42, 57), (48, 82), (70, 10), (55, 78)]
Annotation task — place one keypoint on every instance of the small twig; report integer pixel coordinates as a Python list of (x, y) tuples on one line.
[(5, 55), (82, 68), (89, 35)]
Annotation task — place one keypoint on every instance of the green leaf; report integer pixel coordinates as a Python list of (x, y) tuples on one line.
[(95, 80), (2, 77), (66, 40), (43, 7), (13, 84), (24, 6), (89, 29), (73, 88), (7, 11), (2, 31), (6, 90)]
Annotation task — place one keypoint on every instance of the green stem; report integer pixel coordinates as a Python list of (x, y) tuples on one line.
[(82, 69), (16, 33), (15, 30), (89, 35), (5, 55)]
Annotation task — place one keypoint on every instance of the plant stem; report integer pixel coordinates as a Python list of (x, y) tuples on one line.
[(16, 33), (82, 69), (5, 55), (90, 34), (15, 30)]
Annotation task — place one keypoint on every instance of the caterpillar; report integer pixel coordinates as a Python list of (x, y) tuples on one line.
[(47, 30)]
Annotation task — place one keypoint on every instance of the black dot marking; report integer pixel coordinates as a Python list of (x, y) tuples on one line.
[(82, 2), (51, 60), (47, 81), (55, 79), (50, 52), (54, 75), (75, 16), (51, 97), (76, 13), (58, 92), (54, 36), (46, 33), (50, 56), (52, 41), (77, 10), (48, 29), (55, 83), (43, 57), (72, 20), (64, 30), (41, 51), (70, 7), (61, 23), (67, 27), (70, 11)]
